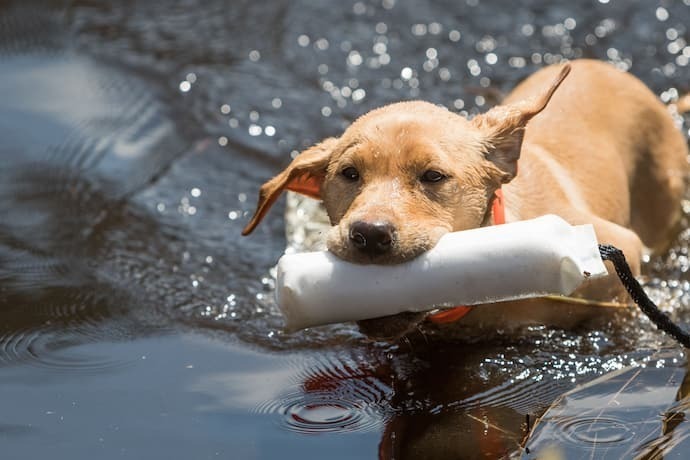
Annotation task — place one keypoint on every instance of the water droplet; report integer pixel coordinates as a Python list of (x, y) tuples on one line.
[(662, 14), (419, 29), (435, 28), (254, 130), (527, 30), (303, 40), (254, 55), (322, 44), (354, 58), (379, 48), (517, 62), (474, 68), (388, 4), (359, 8), (358, 94)]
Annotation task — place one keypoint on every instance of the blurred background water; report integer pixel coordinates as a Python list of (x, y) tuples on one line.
[(136, 323)]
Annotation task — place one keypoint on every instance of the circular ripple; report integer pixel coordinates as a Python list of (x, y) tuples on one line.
[(44, 348), (334, 393), (55, 330), (323, 413), (597, 431)]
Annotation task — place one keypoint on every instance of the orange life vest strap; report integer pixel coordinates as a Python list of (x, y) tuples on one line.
[(454, 314), (450, 315)]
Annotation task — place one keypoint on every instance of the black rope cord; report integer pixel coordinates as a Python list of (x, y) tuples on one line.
[(638, 295)]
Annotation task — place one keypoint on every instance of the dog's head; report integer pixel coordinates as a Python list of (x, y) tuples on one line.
[(403, 175)]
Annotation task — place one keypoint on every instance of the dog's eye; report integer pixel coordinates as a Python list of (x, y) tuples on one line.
[(350, 173), (432, 176)]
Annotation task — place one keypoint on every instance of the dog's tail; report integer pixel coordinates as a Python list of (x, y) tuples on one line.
[(683, 104)]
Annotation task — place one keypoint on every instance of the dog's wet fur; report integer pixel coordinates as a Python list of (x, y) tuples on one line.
[(594, 146)]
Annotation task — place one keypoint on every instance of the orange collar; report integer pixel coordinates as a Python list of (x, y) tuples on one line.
[(454, 314), (498, 208)]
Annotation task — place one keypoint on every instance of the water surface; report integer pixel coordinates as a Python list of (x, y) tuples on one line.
[(136, 323)]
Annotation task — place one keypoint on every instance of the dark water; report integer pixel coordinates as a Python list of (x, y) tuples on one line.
[(136, 323)]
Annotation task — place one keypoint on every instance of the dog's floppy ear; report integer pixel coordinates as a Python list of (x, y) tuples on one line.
[(503, 127), (304, 175)]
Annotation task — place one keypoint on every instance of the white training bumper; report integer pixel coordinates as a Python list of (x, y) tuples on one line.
[(543, 256)]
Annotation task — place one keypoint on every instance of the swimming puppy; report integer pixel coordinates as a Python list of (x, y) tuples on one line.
[(594, 146)]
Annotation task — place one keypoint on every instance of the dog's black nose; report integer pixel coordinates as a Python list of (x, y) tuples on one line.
[(373, 238)]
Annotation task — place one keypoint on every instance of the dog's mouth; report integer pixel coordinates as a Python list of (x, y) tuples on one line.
[(353, 256), (399, 247), (395, 255)]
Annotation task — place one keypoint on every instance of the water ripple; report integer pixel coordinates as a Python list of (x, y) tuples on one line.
[(53, 350), (526, 397), (322, 413), (598, 431), (334, 394)]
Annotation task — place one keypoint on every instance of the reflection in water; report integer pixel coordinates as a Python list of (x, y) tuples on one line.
[(674, 438), (337, 393), (429, 400), (623, 414), (333, 393), (134, 138)]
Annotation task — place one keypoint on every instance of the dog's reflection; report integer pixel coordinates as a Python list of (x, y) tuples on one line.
[(433, 399)]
